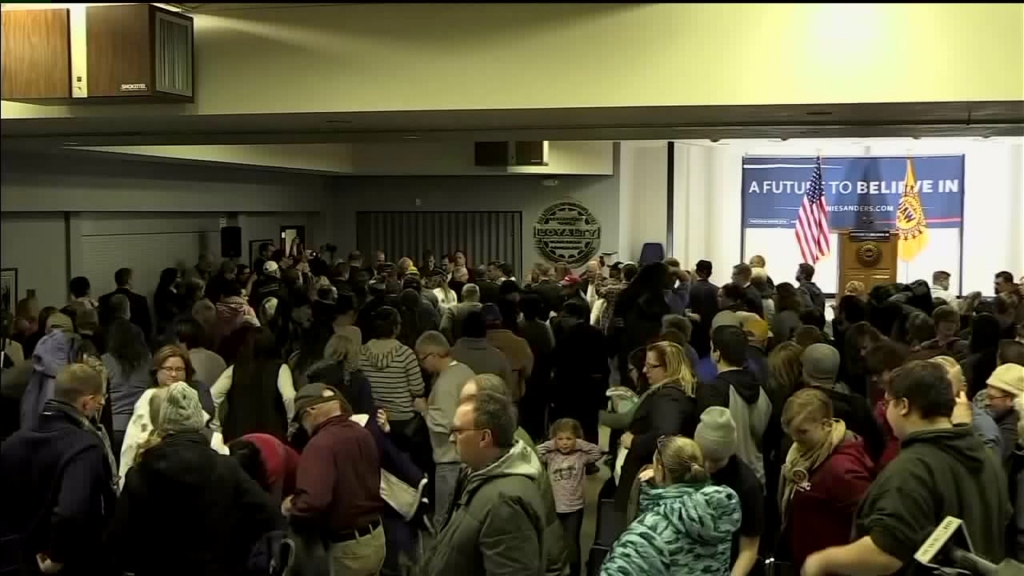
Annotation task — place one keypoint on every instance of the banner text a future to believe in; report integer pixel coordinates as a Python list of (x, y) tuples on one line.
[(862, 192)]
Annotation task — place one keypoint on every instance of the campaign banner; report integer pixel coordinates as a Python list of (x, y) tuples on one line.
[(862, 192)]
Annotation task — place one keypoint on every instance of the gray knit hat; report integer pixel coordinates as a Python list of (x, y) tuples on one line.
[(716, 434), (180, 411), (821, 364)]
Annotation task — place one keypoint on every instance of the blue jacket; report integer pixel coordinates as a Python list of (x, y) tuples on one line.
[(58, 492), (682, 530)]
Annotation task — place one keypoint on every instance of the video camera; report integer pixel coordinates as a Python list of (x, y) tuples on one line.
[(948, 552)]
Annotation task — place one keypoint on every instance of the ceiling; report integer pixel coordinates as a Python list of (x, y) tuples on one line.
[(172, 124), (221, 7)]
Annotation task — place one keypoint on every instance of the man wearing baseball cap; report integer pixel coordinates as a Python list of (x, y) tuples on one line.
[(338, 483), (716, 436)]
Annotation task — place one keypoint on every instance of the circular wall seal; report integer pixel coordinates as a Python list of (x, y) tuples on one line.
[(567, 233), (868, 255)]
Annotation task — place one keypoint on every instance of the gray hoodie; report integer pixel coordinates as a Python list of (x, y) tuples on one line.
[(394, 375)]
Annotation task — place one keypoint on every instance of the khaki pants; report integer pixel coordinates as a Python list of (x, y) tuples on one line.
[(363, 556)]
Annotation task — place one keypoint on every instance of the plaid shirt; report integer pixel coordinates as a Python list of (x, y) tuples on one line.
[(610, 292)]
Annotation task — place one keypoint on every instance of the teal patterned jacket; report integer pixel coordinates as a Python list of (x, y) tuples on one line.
[(682, 530)]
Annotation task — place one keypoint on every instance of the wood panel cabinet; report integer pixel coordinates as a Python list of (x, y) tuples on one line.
[(36, 54), (106, 53)]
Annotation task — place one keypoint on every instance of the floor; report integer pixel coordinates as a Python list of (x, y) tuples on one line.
[(593, 487)]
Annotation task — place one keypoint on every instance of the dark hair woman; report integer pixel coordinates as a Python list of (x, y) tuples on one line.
[(787, 312), (638, 312), (392, 368), (127, 362), (255, 394), (168, 303), (983, 352)]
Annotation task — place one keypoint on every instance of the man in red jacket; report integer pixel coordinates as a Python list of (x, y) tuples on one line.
[(337, 490)]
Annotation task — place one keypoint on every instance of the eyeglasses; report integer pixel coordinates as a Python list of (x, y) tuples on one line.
[(455, 432), (424, 358), (992, 396), (652, 366), (173, 369)]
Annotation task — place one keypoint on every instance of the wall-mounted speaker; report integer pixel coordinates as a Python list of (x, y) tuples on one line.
[(231, 242)]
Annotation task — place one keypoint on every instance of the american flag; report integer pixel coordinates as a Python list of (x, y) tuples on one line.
[(812, 231)]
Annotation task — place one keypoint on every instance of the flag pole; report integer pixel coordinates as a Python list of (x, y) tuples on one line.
[(906, 264)]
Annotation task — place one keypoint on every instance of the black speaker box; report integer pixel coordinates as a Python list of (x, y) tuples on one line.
[(231, 242)]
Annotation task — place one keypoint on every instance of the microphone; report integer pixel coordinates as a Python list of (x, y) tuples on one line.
[(948, 551)]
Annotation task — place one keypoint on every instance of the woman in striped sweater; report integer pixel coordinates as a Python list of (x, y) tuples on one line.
[(394, 373)]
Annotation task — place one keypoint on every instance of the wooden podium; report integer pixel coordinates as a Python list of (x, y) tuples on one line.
[(868, 256)]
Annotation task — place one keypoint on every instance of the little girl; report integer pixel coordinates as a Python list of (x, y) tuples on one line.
[(566, 455)]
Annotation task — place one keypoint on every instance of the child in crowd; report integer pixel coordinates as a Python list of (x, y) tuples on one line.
[(566, 456)]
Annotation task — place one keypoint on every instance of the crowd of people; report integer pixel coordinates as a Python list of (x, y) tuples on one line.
[(360, 417)]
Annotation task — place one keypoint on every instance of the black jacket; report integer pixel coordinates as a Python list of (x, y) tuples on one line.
[(254, 404), (813, 296), (551, 293), (703, 302), (489, 292), (137, 305), (58, 493), (354, 386), (938, 473), (185, 509), (666, 411)]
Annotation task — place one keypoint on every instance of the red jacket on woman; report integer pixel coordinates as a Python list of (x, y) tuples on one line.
[(892, 443), (821, 513)]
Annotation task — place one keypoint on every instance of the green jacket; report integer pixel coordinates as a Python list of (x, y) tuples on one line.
[(502, 523)]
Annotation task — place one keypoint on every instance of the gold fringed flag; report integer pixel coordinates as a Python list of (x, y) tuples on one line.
[(910, 220)]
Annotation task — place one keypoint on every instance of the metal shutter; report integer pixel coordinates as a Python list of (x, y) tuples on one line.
[(485, 236)]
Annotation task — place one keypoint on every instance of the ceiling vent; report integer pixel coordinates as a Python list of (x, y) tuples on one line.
[(507, 154)]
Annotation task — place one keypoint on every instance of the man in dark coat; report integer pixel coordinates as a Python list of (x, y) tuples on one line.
[(703, 303), (59, 483), (137, 303)]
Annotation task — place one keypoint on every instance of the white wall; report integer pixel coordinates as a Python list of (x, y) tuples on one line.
[(642, 199), (708, 185), (526, 194), (103, 195), (36, 245)]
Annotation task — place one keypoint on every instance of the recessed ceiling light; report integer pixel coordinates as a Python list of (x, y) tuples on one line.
[(71, 143), (411, 137)]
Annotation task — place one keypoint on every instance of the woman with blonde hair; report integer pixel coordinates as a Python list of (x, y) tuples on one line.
[(856, 288), (785, 371), (685, 524), (340, 370), (966, 412), (183, 495), (668, 407), (826, 473)]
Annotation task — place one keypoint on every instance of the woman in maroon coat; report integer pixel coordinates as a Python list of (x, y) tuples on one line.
[(826, 473)]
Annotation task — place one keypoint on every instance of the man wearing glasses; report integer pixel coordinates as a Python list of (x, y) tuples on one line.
[(496, 523), (434, 355), (942, 470)]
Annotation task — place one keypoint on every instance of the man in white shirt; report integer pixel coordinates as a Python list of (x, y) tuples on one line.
[(940, 287)]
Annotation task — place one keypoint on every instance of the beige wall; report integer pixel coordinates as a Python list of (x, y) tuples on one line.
[(377, 56)]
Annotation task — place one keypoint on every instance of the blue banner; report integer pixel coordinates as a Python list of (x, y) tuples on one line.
[(862, 192)]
